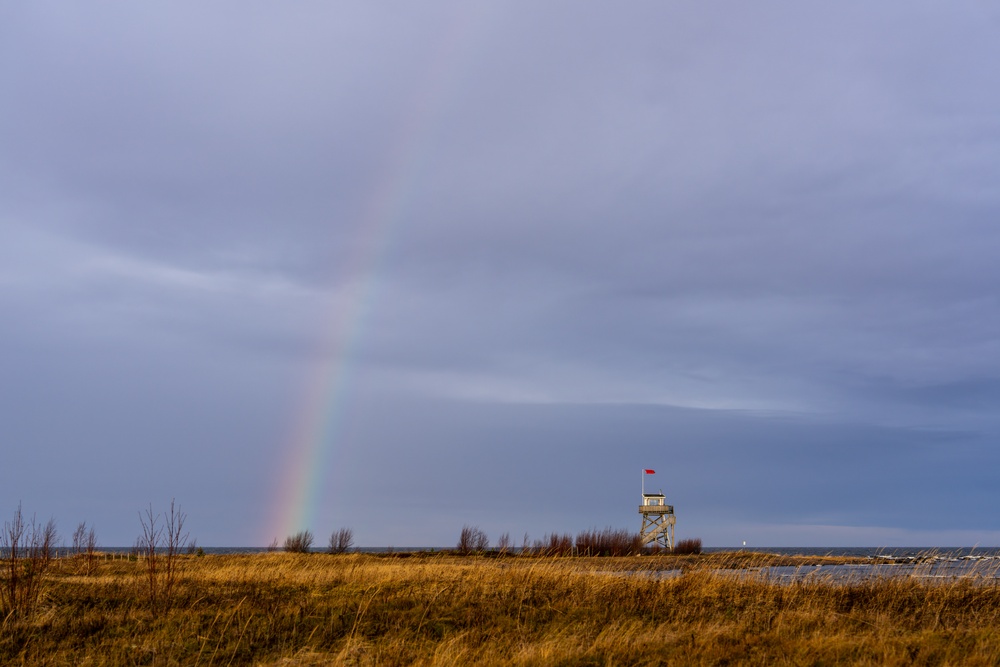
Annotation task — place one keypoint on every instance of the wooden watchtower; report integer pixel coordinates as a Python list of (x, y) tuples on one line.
[(657, 519)]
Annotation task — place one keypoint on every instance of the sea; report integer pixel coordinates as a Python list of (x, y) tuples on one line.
[(867, 552)]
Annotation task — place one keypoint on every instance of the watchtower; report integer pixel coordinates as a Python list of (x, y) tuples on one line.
[(657, 518)]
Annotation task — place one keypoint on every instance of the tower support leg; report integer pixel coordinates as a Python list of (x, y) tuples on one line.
[(658, 529)]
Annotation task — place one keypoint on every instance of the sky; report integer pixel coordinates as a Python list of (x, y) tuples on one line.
[(405, 267)]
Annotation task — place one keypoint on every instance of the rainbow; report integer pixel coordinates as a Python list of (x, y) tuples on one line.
[(316, 433)]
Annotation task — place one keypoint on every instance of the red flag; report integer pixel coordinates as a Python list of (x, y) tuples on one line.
[(649, 472)]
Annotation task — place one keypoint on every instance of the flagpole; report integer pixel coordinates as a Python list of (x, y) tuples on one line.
[(642, 477)]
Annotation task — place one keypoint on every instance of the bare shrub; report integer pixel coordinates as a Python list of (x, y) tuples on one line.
[(472, 539), (555, 544), (79, 537), (47, 543), (12, 542), (299, 543), (28, 549), (481, 542), (608, 542), (691, 546), (341, 541), (464, 545), (90, 550), (85, 545), (146, 548), (159, 546), (504, 544), (176, 540)]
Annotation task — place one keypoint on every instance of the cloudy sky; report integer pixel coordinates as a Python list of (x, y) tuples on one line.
[(405, 267)]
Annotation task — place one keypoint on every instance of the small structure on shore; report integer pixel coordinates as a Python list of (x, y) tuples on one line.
[(657, 517)]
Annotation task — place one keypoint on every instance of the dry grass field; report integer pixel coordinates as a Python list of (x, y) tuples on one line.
[(440, 609)]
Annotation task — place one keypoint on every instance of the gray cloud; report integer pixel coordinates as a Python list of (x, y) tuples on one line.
[(753, 242)]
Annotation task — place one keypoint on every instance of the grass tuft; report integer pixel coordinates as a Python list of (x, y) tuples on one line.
[(429, 609)]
